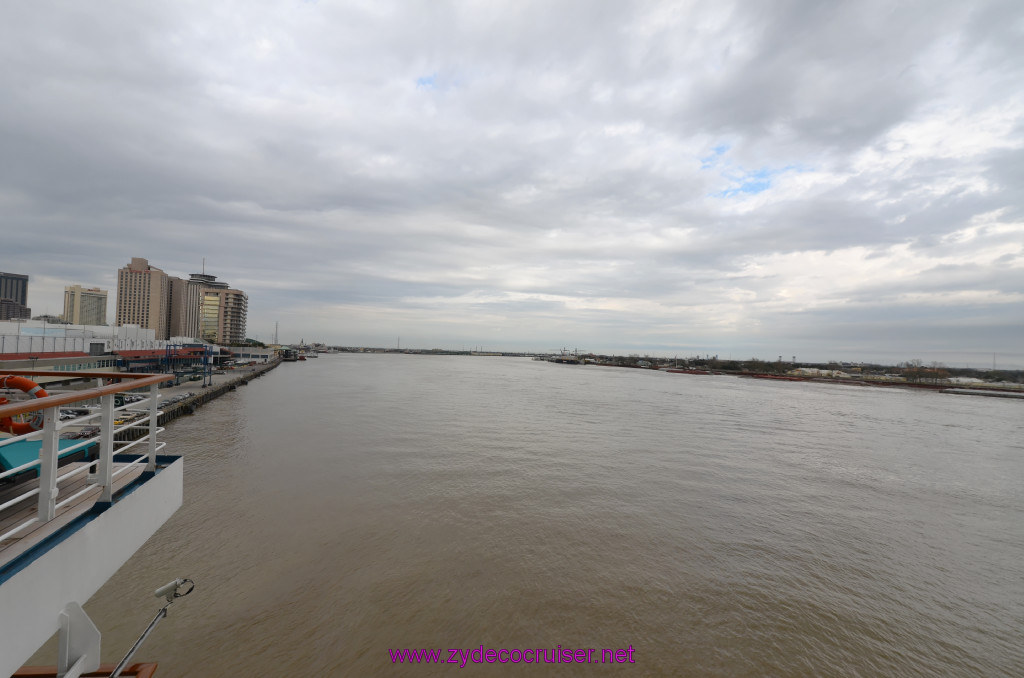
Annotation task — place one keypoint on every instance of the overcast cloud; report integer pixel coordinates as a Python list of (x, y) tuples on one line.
[(825, 180)]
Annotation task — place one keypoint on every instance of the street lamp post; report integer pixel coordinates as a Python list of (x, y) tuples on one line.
[(207, 376)]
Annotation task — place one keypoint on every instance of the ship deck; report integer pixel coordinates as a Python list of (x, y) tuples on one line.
[(74, 509), (37, 533)]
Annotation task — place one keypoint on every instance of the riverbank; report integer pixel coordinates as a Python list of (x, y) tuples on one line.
[(988, 394), (225, 383), (234, 379), (979, 389)]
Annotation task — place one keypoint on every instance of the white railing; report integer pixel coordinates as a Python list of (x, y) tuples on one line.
[(101, 472)]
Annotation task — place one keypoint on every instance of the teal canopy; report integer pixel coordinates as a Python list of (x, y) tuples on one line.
[(24, 451)]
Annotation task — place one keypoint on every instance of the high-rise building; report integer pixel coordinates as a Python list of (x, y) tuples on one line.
[(85, 306), (14, 296), (14, 286), (12, 310), (200, 307), (223, 311), (235, 313), (186, 299), (143, 297)]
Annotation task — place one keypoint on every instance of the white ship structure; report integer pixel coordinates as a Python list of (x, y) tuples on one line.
[(78, 496)]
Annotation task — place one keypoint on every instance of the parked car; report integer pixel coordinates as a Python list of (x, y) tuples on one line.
[(89, 432)]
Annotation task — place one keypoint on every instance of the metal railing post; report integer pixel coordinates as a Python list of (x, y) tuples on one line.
[(48, 466), (154, 393), (105, 468)]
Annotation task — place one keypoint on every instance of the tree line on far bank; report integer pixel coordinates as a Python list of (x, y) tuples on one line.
[(914, 371)]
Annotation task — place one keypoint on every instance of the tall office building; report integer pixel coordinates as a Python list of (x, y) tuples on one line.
[(85, 306), (14, 286), (200, 307), (143, 297), (222, 311), (14, 296), (12, 310), (186, 299)]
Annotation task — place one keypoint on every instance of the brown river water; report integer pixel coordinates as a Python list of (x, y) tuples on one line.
[(347, 506)]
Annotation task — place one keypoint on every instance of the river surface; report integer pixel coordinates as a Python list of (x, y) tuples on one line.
[(345, 506)]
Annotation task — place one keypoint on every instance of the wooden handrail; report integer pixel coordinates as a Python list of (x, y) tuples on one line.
[(58, 373), (134, 381)]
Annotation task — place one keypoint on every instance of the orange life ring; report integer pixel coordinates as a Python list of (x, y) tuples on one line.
[(7, 424)]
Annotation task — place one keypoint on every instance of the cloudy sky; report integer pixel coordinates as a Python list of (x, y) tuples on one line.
[(826, 180)]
